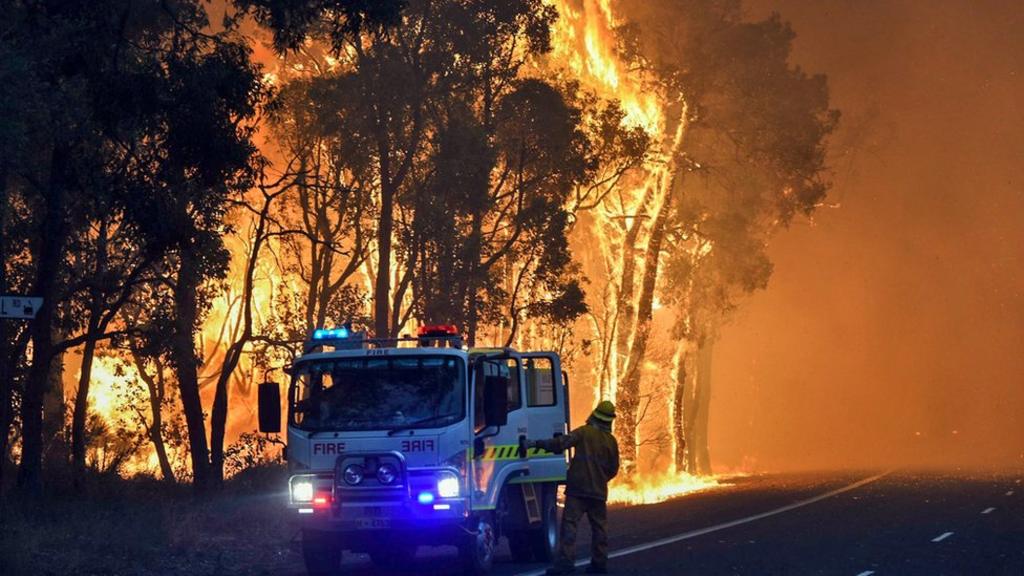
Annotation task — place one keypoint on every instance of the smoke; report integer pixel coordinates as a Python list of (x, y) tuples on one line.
[(892, 332)]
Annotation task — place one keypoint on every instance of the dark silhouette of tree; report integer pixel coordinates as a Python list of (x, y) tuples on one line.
[(325, 221), (201, 158), (293, 21), (410, 101), (260, 233), (23, 114)]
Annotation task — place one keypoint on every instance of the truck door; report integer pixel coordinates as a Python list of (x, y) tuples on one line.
[(499, 459), (547, 407)]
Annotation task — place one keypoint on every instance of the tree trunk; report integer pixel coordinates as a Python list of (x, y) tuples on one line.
[(679, 413), (382, 287), (219, 415), (183, 354), (625, 309), (628, 395), (702, 456), (51, 232), (80, 414), (93, 329), (473, 254), (55, 446), (155, 387)]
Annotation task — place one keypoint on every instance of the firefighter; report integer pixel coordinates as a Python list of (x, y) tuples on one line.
[(594, 462)]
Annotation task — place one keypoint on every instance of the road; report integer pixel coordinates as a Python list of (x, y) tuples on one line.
[(830, 523)]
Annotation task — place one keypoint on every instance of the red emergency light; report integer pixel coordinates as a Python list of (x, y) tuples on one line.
[(322, 500), (437, 330)]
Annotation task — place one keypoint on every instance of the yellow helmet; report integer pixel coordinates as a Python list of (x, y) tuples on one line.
[(605, 411)]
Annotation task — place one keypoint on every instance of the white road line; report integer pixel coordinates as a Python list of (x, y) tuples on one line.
[(1010, 493), (701, 531), (942, 537), (866, 573), (987, 510)]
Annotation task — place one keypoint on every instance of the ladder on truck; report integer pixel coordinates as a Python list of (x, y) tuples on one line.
[(532, 503)]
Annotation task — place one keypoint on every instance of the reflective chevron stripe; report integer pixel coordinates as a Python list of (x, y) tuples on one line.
[(511, 452)]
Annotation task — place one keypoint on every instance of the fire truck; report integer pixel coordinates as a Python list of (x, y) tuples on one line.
[(418, 440)]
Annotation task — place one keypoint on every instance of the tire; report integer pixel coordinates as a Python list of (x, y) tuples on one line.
[(477, 549), (395, 557), (321, 553), (543, 540)]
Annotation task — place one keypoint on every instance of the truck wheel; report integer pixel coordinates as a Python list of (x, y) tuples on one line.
[(544, 538), (477, 549), (321, 553), (394, 557)]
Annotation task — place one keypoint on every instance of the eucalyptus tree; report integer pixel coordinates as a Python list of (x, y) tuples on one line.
[(197, 155), (755, 146)]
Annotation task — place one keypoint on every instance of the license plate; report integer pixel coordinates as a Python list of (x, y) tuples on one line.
[(376, 512), (373, 523)]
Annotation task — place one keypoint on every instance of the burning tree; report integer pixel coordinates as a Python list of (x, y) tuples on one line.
[(739, 150), (580, 174), (465, 163)]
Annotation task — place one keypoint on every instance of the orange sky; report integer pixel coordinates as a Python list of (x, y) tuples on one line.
[(893, 330)]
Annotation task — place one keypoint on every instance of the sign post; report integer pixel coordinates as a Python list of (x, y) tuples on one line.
[(23, 307)]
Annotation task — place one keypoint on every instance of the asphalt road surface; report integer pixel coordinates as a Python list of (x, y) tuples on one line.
[(832, 523)]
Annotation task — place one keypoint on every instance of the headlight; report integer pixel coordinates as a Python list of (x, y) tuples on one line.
[(302, 490), (386, 474), (447, 485), (353, 474)]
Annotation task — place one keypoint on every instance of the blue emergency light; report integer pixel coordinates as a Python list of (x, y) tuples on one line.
[(331, 334), (425, 497)]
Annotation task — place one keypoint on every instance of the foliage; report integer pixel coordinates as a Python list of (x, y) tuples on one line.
[(251, 450), (417, 161)]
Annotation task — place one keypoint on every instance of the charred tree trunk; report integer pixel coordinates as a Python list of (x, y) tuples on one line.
[(186, 364), (473, 253), (80, 413), (628, 395), (679, 413), (93, 329), (702, 456), (52, 232), (155, 386), (382, 286), (219, 415)]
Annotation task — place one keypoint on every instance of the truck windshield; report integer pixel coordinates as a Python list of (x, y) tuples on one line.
[(379, 393)]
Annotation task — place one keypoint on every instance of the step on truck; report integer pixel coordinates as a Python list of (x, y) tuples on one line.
[(401, 442)]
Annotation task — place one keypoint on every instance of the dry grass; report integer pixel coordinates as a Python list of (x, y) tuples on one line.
[(141, 527)]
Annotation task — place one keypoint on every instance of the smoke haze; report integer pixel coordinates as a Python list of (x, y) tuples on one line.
[(892, 332)]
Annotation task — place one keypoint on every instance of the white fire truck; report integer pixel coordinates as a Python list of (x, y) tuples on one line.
[(401, 442)]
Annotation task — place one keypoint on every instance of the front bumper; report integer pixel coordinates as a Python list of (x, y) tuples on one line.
[(414, 509), (360, 526)]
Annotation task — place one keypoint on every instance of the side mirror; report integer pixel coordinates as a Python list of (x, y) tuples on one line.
[(269, 407), (495, 400)]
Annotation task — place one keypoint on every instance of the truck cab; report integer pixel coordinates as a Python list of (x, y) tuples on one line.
[(401, 442)]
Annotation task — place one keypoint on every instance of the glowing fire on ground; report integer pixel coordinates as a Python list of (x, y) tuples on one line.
[(654, 488)]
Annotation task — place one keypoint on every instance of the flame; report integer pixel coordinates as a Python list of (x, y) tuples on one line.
[(585, 40), (106, 385), (651, 489), (584, 48)]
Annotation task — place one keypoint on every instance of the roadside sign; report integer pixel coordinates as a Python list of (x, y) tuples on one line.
[(24, 307)]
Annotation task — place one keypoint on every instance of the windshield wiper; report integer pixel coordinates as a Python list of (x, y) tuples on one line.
[(412, 425)]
